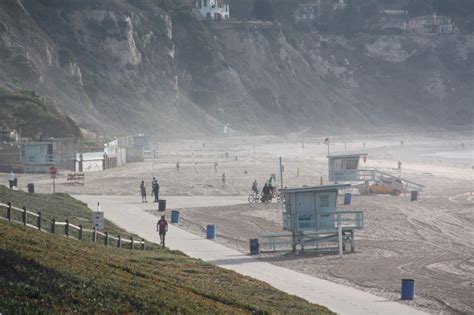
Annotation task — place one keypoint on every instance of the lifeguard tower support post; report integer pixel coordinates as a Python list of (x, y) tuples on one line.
[(310, 215)]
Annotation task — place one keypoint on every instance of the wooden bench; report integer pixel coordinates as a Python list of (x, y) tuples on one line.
[(76, 177)]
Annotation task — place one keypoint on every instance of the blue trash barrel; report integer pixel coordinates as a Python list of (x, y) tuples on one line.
[(408, 289), (175, 216), (254, 247), (347, 198), (211, 231)]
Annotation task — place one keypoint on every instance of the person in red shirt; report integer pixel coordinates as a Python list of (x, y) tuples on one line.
[(162, 228)]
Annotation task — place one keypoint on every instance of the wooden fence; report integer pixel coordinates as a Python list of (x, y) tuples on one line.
[(67, 229)]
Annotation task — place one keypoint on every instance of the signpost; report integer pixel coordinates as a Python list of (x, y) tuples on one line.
[(98, 219), (53, 171)]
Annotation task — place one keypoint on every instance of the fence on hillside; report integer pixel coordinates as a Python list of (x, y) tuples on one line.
[(67, 229)]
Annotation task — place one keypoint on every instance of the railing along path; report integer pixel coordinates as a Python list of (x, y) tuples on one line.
[(69, 228)]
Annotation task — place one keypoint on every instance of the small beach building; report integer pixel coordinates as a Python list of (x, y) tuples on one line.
[(37, 157)]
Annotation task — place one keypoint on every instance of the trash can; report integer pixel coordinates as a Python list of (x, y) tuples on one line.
[(211, 231), (414, 195), (408, 289), (161, 205), (347, 198), (31, 188), (254, 247), (175, 216)]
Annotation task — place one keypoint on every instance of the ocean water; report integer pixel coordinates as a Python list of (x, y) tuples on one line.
[(457, 157)]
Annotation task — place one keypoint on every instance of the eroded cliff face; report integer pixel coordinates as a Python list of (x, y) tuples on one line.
[(119, 66)]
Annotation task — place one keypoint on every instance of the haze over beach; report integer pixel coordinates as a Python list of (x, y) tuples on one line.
[(308, 157)]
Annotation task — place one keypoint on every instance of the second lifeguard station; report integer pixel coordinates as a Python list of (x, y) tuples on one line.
[(345, 167)]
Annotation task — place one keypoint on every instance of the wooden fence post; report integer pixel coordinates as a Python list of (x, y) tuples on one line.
[(143, 244), (94, 234), (9, 211), (119, 242), (80, 232), (53, 226), (66, 228), (24, 216), (131, 242), (39, 221), (106, 241)]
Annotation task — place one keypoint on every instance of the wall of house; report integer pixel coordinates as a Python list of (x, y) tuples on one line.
[(211, 9)]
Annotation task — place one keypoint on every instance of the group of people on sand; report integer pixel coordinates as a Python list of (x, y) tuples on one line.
[(267, 190), (155, 190)]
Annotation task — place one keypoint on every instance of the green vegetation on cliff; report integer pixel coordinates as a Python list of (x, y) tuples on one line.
[(43, 273), (26, 111)]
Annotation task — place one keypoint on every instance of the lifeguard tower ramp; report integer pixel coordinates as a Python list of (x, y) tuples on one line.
[(310, 219), (345, 168)]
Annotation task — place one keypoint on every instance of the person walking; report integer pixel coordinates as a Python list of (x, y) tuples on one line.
[(156, 191), (153, 186), (177, 167), (143, 191), (223, 180), (162, 228), (399, 166), (215, 167), (12, 181)]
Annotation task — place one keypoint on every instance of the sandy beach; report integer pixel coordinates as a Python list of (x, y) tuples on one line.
[(431, 240)]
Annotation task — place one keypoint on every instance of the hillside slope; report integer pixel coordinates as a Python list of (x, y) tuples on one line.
[(125, 65), (43, 273)]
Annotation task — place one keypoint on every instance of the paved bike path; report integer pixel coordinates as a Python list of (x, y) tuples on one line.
[(128, 213)]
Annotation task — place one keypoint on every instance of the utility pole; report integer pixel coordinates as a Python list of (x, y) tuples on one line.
[(281, 174)]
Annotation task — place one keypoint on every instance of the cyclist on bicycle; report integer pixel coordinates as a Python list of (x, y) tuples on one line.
[(270, 184), (255, 187), (267, 196)]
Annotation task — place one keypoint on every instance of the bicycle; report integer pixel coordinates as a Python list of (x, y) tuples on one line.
[(254, 197), (278, 195)]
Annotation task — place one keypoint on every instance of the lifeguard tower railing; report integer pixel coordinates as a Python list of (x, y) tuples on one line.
[(370, 175), (348, 219), (312, 234)]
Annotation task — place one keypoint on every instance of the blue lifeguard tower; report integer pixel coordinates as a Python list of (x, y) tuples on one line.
[(345, 167), (310, 218)]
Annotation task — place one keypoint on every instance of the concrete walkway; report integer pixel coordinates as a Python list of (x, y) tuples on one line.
[(128, 213)]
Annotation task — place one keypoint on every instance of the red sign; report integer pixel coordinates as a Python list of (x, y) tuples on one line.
[(53, 170)]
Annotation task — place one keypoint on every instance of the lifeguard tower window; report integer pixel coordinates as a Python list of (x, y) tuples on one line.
[(352, 164)]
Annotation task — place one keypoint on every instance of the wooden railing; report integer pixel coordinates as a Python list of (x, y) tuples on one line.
[(67, 229)]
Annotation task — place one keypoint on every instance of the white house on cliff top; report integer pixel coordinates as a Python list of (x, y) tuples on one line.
[(213, 9)]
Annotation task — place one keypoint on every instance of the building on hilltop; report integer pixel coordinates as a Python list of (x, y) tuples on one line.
[(431, 24), (310, 10), (393, 19), (213, 9)]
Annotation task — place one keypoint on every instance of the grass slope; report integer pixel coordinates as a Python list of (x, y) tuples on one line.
[(44, 273), (58, 206)]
